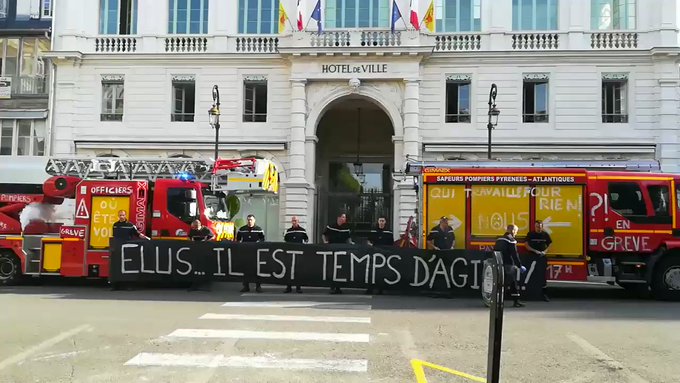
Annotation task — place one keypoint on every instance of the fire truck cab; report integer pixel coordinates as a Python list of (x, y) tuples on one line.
[(160, 197), (613, 222)]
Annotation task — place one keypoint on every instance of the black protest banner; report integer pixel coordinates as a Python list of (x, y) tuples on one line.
[(307, 265)]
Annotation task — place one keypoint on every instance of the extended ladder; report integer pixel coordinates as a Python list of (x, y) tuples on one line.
[(246, 174)]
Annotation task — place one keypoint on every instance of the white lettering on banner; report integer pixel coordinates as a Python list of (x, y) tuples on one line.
[(324, 254), (625, 243), (293, 254), (230, 270), (464, 277), (377, 265), (417, 262), (158, 262), (396, 272), (622, 224), (283, 266), (355, 260), (440, 269), (124, 259), (440, 192), (183, 261), (73, 232), (475, 263), (259, 273), (111, 190), (529, 274), (337, 266), (218, 254)]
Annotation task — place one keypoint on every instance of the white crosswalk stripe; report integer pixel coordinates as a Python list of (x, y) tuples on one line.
[(267, 327), (286, 318), (299, 304)]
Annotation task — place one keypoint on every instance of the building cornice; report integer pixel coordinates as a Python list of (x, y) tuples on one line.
[(174, 145)]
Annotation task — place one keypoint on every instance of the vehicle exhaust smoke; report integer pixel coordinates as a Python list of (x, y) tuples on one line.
[(36, 212)]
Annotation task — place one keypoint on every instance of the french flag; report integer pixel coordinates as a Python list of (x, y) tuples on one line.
[(415, 21), (300, 25)]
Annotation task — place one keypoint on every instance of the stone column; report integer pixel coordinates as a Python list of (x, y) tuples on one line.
[(297, 187), (669, 119), (404, 195)]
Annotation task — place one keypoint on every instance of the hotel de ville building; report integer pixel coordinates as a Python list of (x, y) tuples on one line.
[(341, 104)]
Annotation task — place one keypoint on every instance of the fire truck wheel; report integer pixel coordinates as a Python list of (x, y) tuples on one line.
[(10, 269), (666, 283)]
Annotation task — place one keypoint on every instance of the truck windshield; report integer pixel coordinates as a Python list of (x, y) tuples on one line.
[(215, 205)]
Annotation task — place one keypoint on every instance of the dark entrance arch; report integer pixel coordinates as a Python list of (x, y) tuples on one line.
[(354, 164)]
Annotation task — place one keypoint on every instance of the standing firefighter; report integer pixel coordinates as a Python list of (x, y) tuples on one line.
[(200, 233), (380, 236), (538, 241), (295, 234), (250, 233), (338, 232), (507, 246), (441, 237), (124, 230)]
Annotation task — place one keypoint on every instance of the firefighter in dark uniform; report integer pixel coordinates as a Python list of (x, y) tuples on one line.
[(538, 241), (380, 236), (250, 233), (507, 246), (200, 233), (295, 234), (124, 230), (441, 237), (338, 232)]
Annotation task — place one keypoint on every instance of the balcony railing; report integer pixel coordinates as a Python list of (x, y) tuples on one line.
[(367, 40), (29, 85)]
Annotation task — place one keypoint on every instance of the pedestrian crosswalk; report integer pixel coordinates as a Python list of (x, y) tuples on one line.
[(255, 332)]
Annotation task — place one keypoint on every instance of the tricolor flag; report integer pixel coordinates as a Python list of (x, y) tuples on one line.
[(396, 14), (415, 21), (429, 19), (300, 25), (316, 15), (283, 16)]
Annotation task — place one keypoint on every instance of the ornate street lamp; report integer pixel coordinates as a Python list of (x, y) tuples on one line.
[(214, 118), (493, 114)]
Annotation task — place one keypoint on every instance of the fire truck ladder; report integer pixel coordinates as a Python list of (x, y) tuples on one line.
[(130, 169), (225, 175), (416, 167)]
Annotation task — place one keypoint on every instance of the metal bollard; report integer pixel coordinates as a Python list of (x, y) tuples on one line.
[(493, 296)]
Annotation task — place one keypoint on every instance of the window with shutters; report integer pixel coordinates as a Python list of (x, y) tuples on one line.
[(613, 14), (535, 100), (22, 138), (358, 13), (118, 17), (534, 15), (458, 15), (184, 100), (188, 17), (614, 101), (255, 101), (458, 101), (260, 16), (113, 92)]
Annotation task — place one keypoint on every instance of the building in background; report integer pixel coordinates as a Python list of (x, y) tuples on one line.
[(25, 28), (340, 105)]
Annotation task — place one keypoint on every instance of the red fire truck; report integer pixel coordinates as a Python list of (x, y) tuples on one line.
[(613, 222), (161, 197)]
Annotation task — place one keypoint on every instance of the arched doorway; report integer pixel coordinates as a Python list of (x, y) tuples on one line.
[(354, 164)]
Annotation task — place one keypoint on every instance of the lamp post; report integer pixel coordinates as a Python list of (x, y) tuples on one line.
[(214, 118), (493, 114)]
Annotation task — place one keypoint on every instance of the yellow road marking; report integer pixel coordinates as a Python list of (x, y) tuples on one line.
[(419, 371)]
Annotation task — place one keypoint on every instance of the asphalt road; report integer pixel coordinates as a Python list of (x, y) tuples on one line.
[(90, 334)]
